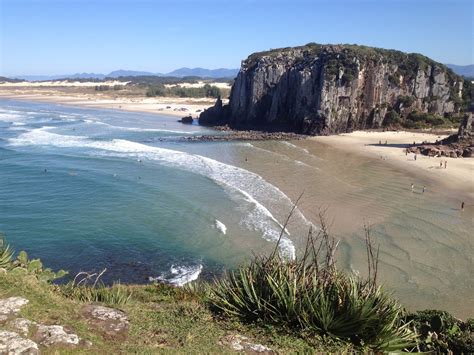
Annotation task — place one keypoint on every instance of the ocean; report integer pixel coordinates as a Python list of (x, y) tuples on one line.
[(88, 189)]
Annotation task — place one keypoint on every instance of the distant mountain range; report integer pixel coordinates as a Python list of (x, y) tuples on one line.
[(464, 70), (181, 72)]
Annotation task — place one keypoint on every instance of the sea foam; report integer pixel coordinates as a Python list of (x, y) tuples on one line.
[(252, 187), (221, 226), (179, 275)]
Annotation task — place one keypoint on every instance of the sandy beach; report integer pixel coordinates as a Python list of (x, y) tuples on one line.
[(83, 94), (458, 174)]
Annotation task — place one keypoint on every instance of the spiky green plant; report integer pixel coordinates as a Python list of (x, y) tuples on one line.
[(6, 253), (310, 294), (115, 295)]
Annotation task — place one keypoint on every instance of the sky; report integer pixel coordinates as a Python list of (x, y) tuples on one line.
[(48, 37)]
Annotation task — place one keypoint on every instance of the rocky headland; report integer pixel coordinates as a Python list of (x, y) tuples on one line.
[(327, 89), (457, 145)]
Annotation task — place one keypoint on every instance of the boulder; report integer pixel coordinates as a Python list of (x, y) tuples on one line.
[(11, 306), (22, 325), (243, 344), (187, 120), (12, 343), (50, 335), (112, 322)]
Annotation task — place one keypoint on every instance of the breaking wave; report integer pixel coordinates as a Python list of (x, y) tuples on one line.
[(179, 275), (246, 184)]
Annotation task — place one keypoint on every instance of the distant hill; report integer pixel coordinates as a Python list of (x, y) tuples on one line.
[(464, 70), (121, 72), (205, 73), (181, 72), (59, 77), (8, 80)]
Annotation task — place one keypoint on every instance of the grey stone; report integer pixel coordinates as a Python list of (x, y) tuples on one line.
[(112, 321), (243, 344), (11, 306), (22, 325), (331, 89), (12, 343), (49, 335)]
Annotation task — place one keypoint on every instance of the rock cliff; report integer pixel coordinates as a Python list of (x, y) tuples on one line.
[(324, 89)]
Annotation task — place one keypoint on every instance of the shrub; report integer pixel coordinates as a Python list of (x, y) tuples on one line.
[(180, 91), (394, 80), (440, 332), (310, 294), (392, 118), (406, 100), (113, 295), (87, 287), (23, 266), (6, 254)]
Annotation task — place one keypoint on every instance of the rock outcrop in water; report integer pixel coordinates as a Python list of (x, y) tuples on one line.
[(324, 89)]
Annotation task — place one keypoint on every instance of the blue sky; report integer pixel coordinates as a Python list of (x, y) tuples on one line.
[(45, 37)]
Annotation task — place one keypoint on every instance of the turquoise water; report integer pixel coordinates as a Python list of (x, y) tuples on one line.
[(86, 189), (90, 189)]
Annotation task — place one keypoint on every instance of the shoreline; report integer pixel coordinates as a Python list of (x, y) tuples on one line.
[(458, 175), (170, 106)]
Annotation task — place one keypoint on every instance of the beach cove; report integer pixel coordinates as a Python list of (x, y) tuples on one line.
[(426, 247)]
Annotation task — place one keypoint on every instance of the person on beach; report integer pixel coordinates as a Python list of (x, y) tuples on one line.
[(462, 206), (441, 164), (445, 163), (415, 156), (412, 187), (424, 188)]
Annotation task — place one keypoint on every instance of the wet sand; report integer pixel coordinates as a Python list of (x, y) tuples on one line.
[(426, 244), (458, 174)]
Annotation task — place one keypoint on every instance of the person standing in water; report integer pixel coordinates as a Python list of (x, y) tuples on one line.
[(462, 206)]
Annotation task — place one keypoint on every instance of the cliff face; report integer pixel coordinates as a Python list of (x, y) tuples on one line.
[(323, 89)]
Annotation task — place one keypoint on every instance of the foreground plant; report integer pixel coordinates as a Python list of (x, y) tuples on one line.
[(22, 265), (87, 287), (310, 294), (6, 253)]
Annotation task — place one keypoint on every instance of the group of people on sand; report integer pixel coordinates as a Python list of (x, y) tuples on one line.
[(441, 163)]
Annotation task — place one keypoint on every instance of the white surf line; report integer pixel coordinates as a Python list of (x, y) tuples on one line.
[(283, 156), (304, 150), (235, 178), (179, 275), (221, 226)]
